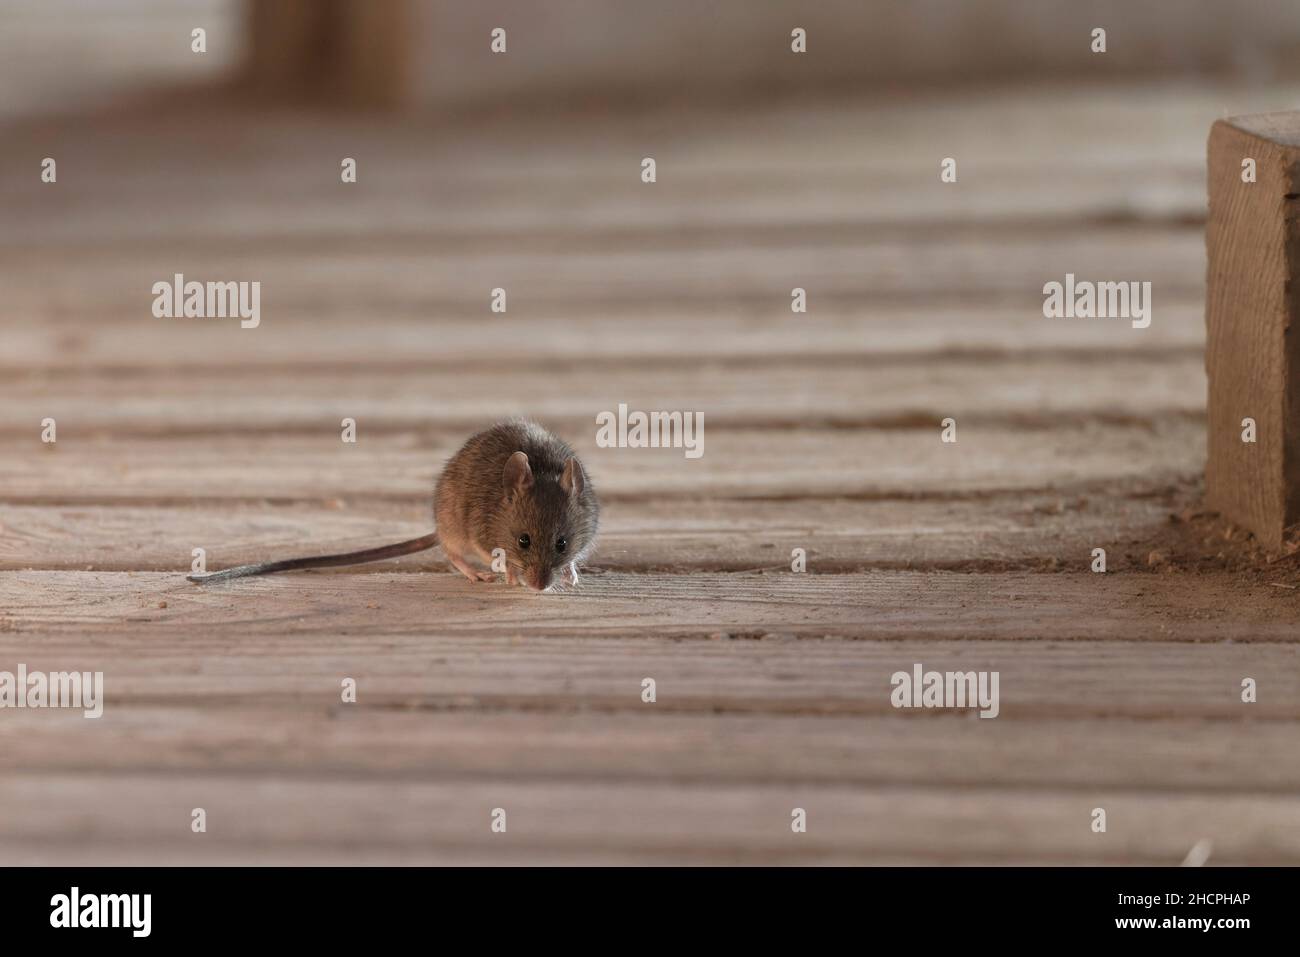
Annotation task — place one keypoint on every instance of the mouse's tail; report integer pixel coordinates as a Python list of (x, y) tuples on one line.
[(397, 550)]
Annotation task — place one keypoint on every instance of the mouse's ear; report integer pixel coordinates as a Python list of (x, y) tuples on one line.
[(573, 481), (517, 475)]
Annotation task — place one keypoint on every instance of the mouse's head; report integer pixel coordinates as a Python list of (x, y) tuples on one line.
[(547, 521)]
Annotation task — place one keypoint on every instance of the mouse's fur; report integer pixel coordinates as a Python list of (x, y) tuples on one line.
[(489, 497), (507, 482)]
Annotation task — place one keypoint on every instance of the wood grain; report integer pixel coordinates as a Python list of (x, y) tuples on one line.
[(1251, 354), (1120, 690), (636, 534), (323, 337), (283, 820), (386, 738), (794, 395), (415, 273), (1147, 607), (754, 463)]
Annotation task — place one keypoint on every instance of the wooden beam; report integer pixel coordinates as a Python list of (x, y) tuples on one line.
[(1252, 303)]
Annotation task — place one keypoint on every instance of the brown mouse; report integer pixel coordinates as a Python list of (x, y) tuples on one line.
[(515, 487)]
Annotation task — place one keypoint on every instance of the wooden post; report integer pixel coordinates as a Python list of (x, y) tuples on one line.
[(349, 52), (1252, 308)]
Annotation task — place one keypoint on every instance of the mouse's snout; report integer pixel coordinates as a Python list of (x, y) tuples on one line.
[(538, 579)]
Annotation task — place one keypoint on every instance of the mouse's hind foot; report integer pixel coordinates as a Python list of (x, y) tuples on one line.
[(473, 574)]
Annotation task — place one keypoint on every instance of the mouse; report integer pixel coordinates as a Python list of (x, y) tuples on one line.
[(514, 487)]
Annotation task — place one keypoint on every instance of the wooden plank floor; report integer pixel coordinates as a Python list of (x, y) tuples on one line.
[(1120, 691)]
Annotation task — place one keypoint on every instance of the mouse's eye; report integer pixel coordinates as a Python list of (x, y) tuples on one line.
[(524, 542), (561, 544)]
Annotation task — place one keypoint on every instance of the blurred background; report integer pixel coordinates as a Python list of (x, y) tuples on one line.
[(421, 53), (521, 171)]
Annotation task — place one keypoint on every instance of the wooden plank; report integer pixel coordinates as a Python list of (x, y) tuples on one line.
[(535, 206), (849, 150), (1120, 690), (482, 181), (457, 338), (1158, 607), (1252, 359), (277, 819), (799, 462), (918, 394), (991, 533), (1165, 123), (385, 268), (303, 738)]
